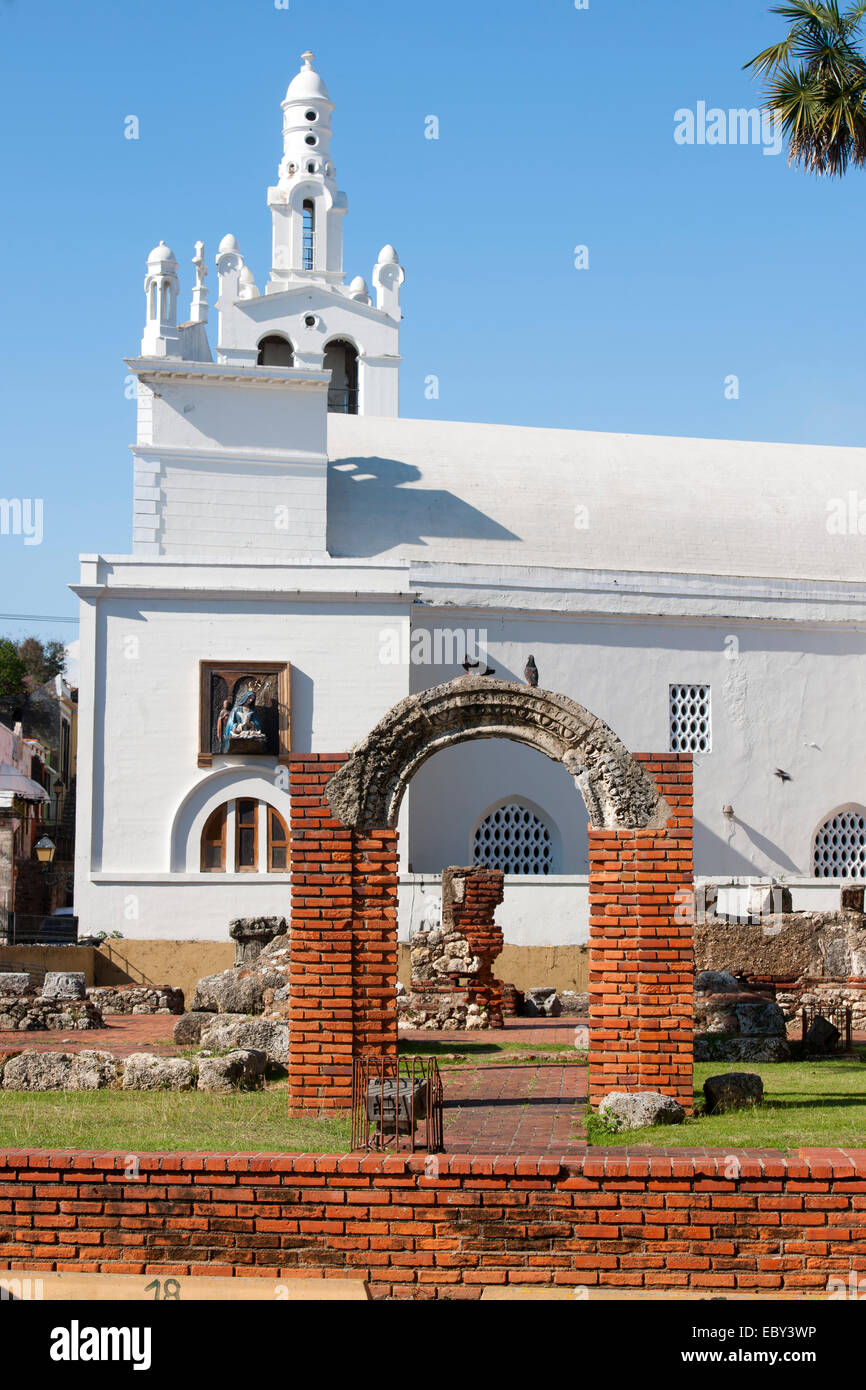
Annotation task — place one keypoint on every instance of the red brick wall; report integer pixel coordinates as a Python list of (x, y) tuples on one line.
[(344, 942), (641, 963), (675, 1222)]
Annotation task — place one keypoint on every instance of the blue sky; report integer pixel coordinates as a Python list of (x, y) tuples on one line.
[(556, 130)]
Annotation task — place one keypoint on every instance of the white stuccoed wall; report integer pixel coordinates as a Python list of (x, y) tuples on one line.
[(224, 466), (142, 799), (786, 701)]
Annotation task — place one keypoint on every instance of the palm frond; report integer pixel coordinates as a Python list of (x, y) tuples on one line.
[(816, 84)]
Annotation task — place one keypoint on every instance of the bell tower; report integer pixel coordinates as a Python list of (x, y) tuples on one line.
[(306, 206), (305, 323)]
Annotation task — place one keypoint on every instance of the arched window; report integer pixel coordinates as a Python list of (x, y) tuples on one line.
[(278, 843), (275, 351), (840, 846), (166, 301), (246, 836), (258, 833), (153, 294), (515, 839), (309, 260), (213, 842), (341, 360)]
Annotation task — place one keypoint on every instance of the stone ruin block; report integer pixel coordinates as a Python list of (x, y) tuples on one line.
[(13, 984), (736, 1024), (542, 1001), (136, 999), (252, 934), (64, 984)]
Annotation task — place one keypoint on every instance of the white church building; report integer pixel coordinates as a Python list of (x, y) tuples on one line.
[(303, 558)]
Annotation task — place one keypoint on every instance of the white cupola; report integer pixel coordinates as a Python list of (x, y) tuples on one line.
[(306, 206), (161, 285)]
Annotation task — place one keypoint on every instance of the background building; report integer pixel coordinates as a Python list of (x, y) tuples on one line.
[(302, 553), (25, 893)]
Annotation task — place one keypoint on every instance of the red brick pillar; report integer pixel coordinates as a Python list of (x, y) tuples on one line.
[(374, 940), (472, 914), (343, 942), (641, 965)]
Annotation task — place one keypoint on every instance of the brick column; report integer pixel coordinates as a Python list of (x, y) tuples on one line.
[(641, 967), (472, 914), (343, 943), (320, 1009), (374, 940)]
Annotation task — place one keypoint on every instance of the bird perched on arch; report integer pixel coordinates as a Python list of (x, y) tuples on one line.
[(474, 668), (530, 671)]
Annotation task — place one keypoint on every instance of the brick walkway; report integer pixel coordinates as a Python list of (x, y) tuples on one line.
[(122, 1034), (125, 1033), (515, 1109)]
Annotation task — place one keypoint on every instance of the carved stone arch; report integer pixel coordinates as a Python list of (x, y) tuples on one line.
[(619, 792)]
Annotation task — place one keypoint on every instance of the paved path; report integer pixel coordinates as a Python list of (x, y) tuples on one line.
[(123, 1033), (515, 1108)]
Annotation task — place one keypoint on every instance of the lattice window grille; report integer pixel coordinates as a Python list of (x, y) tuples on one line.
[(840, 846), (691, 725), (514, 839)]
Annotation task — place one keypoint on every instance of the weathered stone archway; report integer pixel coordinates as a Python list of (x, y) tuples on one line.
[(344, 887), (617, 790)]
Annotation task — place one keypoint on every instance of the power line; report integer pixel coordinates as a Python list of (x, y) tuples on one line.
[(36, 618)]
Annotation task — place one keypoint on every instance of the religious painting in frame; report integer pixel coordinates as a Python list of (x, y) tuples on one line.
[(244, 710)]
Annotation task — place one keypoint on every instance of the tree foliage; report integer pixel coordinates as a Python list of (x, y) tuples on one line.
[(816, 84), (27, 664), (13, 671), (43, 660)]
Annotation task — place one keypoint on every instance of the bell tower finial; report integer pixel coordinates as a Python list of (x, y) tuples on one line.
[(161, 286), (306, 204)]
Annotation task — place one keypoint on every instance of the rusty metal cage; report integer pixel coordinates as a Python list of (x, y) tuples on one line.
[(840, 1015), (396, 1104)]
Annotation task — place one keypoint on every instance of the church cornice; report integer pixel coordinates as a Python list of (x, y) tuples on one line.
[(278, 458), (567, 595), (219, 373), (379, 597)]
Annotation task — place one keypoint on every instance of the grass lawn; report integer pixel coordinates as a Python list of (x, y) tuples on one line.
[(806, 1105), (149, 1121)]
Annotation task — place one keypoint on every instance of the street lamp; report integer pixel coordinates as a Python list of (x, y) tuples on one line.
[(45, 849)]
